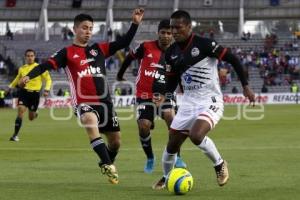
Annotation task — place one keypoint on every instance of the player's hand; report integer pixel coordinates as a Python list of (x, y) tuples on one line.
[(46, 93), (250, 94), (137, 15), (23, 81), (158, 99)]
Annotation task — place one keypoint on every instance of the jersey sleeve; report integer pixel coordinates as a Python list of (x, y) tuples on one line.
[(138, 52), (58, 59), (212, 49), (172, 76), (47, 78), (14, 83)]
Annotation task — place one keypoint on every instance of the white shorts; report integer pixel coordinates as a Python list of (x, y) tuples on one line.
[(187, 115)]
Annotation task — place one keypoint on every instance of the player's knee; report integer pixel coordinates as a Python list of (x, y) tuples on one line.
[(172, 148), (196, 140), (144, 128)]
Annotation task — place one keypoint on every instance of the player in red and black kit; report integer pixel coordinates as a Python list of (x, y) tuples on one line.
[(150, 83), (85, 67)]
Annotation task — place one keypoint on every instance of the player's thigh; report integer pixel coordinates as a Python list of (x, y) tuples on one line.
[(168, 115), (211, 113), (33, 100), (21, 110), (108, 119), (183, 120), (199, 130), (145, 110), (88, 118), (23, 98), (167, 110)]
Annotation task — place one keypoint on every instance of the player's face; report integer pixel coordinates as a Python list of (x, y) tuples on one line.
[(83, 32), (165, 37), (29, 57), (180, 30)]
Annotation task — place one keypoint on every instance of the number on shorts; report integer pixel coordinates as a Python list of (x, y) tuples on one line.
[(214, 108)]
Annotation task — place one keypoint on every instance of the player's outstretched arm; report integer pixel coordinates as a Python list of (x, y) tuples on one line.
[(38, 70)]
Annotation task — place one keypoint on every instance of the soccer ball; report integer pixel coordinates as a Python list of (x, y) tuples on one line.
[(179, 181)]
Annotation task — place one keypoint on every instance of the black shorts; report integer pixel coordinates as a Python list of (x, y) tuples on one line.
[(146, 109), (106, 115), (30, 99)]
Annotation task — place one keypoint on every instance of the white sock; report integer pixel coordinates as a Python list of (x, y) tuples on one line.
[(168, 161), (211, 151)]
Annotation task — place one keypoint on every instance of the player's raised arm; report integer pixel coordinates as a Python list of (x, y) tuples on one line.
[(137, 53), (126, 39)]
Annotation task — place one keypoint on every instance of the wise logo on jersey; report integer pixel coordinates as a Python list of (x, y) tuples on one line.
[(90, 70), (155, 74)]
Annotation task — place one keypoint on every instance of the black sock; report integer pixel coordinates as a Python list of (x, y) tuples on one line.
[(101, 150), (147, 146), (18, 124), (112, 154)]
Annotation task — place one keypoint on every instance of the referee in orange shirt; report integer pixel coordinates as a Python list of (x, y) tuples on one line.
[(29, 96)]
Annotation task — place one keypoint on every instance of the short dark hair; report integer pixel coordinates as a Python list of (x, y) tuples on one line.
[(165, 23), (82, 17), (29, 50), (182, 14)]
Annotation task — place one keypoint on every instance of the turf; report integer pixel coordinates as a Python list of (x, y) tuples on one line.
[(54, 161)]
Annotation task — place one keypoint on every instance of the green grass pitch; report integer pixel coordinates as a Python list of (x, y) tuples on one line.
[(53, 160)]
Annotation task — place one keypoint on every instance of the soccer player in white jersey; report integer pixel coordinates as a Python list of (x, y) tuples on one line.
[(192, 64)]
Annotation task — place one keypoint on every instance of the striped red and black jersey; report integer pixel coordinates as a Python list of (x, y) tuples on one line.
[(85, 68), (151, 73)]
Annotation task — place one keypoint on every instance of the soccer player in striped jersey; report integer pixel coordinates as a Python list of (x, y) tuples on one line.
[(84, 65), (150, 84)]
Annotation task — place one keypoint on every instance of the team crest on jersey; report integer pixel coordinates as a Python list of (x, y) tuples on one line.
[(195, 52), (94, 52), (187, 78)]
